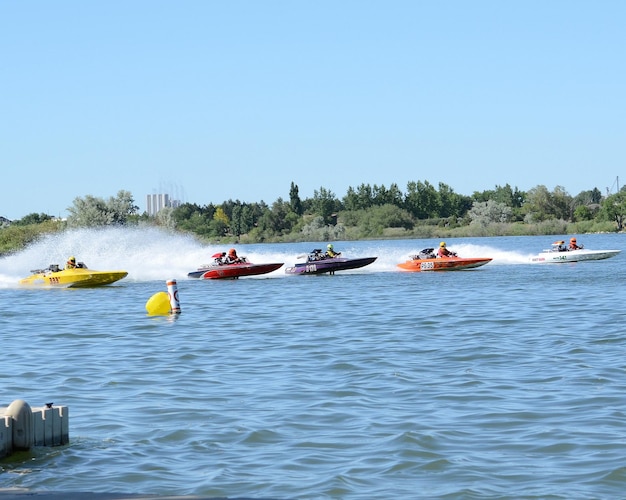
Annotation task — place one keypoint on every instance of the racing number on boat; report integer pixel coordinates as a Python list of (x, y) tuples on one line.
[(311, 268), (427, 265)]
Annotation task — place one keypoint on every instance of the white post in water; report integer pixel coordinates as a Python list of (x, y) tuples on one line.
[(172, 292)]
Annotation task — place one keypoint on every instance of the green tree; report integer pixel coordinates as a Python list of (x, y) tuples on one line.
[(122, 206), (351, 200), (274, 220), (15, 237), (92, 211), (236, 221), (294, 200), (582, 212), (541, 204), (389, 215), (32, 218), (318, 230), (247, 220), (324, 204), (513, 198), (487, 212), (164, 218), (562, 204), (360, 198), (220, 216), (193, 218), (422, 200), (383, 196), (365, 195), (614, 208), (452, 204), (591, 197)]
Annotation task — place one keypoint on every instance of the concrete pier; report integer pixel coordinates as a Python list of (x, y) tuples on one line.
[(22, 427)]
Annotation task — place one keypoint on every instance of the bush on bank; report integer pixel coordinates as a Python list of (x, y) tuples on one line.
[(14, 238)]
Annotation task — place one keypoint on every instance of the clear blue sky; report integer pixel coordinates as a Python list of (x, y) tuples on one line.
[(212, 100)]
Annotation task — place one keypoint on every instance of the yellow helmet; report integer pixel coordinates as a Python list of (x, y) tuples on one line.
[(72, 259), (442, 244), (329, 246)]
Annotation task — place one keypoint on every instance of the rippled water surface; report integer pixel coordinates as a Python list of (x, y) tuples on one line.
[(506, 381)]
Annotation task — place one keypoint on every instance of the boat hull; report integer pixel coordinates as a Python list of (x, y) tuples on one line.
[(234, 271), (443, 264), (550, 256), (329, 265), (73, 278)]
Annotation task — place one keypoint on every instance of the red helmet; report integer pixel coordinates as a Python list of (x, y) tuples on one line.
[(232, 252), (573, 240)]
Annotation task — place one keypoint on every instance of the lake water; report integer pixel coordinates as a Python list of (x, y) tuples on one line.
[(506, 381)]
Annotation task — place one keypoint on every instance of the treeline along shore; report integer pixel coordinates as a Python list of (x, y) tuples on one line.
[(364, 212)]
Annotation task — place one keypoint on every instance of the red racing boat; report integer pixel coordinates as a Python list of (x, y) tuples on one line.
[(426, 260), (221, 270)]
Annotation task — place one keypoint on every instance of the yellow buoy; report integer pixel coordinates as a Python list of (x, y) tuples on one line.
[(159, 304)]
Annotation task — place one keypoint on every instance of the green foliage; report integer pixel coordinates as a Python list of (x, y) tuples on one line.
[(452, 204), (17, 236), (590, 226), (582, 212), (325, 204), (164, 218), (364, 212), (549, 226), (513, 198), (91, 211), (365, 197), (373, 222), (295, 202), (614, 208), (318, 230), (422, 200), (488, 212), (541, 204), (219, 225), (588, 198), (193, 218), (33, 218), (391, 196)]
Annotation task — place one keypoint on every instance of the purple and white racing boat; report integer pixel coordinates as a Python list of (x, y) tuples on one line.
[(318, 262)]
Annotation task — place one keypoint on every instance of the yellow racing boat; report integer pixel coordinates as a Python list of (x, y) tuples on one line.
[(80, 276)]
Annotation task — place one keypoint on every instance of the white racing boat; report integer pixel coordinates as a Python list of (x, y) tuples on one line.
[(558, 252)]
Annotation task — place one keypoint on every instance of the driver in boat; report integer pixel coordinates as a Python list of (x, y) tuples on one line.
[(71, 263), (232, 258), (573, 245), (444, 252), (330, 251)]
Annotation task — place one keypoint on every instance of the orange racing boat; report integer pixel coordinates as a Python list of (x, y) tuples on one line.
[(426, 260)]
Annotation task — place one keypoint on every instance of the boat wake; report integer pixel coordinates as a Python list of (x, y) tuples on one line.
[(146, 253), (154, 254)]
